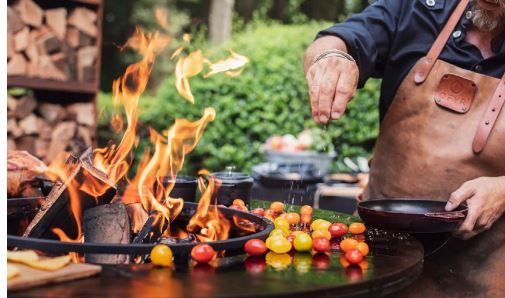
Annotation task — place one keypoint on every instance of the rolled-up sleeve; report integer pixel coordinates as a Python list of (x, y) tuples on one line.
[(368, 36)]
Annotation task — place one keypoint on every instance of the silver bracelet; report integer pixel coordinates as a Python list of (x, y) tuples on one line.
[(333, 53)]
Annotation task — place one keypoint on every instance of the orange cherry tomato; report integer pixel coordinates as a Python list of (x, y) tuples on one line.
[(258, 211), (306, 218), (348, 244), (357, 228), (306, 209), (269, 213), (277, 207), (363, 248), (293, 218), (323, 234)]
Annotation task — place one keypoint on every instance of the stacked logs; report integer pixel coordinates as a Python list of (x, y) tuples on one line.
[(56, 43), (46, 129)]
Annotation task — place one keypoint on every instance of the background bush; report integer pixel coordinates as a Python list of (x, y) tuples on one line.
[(270, 97)]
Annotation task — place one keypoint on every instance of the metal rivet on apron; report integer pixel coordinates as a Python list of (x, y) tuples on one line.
[(477, 67), (430, 2), (456, 34), (468, 15)]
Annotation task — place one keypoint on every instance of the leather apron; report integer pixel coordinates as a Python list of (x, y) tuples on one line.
[(445, 126)]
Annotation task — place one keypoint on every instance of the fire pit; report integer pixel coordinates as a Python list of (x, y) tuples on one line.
[(181, 249)]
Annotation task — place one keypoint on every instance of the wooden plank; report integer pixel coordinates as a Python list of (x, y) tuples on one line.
[(46, 84), (29, 277)]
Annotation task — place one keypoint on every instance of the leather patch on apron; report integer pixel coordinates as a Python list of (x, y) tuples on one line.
[(455, 93)]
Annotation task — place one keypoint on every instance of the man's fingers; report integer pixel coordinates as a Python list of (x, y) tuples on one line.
[(345, 90), (469, 224), (331, 74), (313, 93), (460, 195)]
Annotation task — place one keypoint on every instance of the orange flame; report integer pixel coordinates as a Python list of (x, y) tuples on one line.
[(211, 223)]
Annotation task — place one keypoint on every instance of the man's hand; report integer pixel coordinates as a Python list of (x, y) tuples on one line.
[(485, 197), (332, 81)]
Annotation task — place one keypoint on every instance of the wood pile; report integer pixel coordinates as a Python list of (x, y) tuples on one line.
[(56, 43), (45, 129)]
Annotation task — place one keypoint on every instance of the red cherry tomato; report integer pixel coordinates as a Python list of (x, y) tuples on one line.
[(203, 253), (255, 247), (338, 229), (321, 261), (255, 265), (259, 211), (354, 256), (270, 213), (321, 244)]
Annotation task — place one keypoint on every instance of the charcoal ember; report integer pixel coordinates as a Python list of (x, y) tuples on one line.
[(107, 223)]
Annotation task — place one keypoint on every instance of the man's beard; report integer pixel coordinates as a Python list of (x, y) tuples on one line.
[(489, 21)]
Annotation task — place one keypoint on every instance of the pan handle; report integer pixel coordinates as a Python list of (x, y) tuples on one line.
[(449, 216)]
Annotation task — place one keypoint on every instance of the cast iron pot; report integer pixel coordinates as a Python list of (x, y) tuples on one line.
[(411, 215), (231, 186), (185, 188)]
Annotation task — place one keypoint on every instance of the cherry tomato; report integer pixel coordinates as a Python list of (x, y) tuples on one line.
[(161, 255), (321, 233), (359, 237), (238, 202), (348, 244), (306, 209), (255, 247), (270, 213), (306, 218), (277, 207), (364, 264), (354, 256), (363, 248), (338, 229), (281, 223), (279, 232), (203, 253), (279, 245), (321, 261), (279, 261), (293, 218), (321, 244), (320, 225), (357, 228), (259, 211), (343, 261), (239, 207), (303, 242), (255, 265)]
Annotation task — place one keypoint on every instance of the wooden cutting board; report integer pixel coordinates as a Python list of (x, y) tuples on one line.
[(29, 277)]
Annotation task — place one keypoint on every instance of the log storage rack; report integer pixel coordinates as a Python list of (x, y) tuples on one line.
[(54, 52)]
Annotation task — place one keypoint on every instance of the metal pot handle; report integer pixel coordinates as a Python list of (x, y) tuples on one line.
[(449, 216)]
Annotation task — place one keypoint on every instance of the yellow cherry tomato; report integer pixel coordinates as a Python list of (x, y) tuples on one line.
[(320, 225), (279, 245), (279, 232), (321, 233), (303, 242), (357, 228), (278, 261), (161, 255), (281, 223)]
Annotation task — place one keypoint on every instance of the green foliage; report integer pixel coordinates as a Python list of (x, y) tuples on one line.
[(270, 97)]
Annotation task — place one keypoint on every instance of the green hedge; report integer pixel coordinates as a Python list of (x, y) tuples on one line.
[(270, 97)]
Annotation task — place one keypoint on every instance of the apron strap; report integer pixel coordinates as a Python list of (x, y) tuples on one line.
[(489, 118), (423, 69)]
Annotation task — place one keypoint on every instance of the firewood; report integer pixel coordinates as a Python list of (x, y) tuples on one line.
[(32, 53), (17, 65), (60, 138), (56, 19), (86, 58), (14, 22), (76, 38), (48, 43), (13, 128), (11, 47), (26, 143), (25, 106), (48, 70), (107, 224), (21, 39), (84, 19), (83, 113), (84, 133), (60, 62), (11, 103), (29, 125), (51, 112), (41, 148), (29, 12)]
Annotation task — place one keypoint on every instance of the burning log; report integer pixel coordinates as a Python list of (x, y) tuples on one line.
[(74, 195), (107, 224)]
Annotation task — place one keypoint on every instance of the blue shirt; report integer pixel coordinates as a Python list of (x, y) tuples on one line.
[(390, 36)]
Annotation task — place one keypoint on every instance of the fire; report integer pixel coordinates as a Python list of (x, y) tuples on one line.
[(211, 223), (231, 66)]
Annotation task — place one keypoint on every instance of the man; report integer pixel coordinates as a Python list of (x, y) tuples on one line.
[(442, 130)]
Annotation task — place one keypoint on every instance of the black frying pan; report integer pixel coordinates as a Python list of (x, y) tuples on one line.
[(413, 216)]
